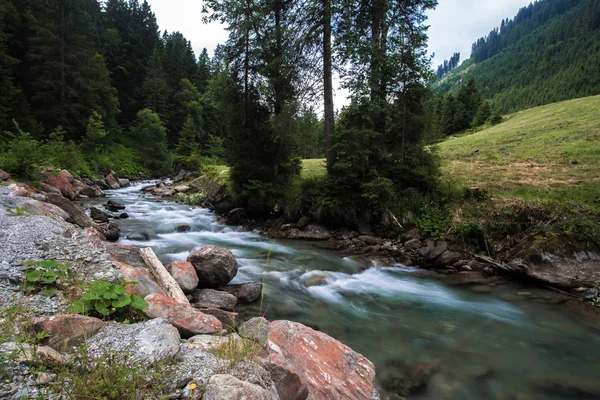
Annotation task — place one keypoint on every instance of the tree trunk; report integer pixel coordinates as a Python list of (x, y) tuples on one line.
[(163, 278), (328, 85)]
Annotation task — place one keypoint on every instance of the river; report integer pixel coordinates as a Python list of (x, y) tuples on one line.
[(498, 340)]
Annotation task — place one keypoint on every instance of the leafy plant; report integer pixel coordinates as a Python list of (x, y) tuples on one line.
[(433, 221), (109, 300), (195, 199), (17, 212), (44, 275)]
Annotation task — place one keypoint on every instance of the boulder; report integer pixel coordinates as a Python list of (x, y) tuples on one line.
[(413, 244), (215, 266), (448, 258), (46, 188), (4, 176), (316, 280), (180, 177), (209, 298), (310, 364), (303, 222), (49, 357), (112, 232), (370, 240), (138, 237), (114, 206), (186, 319), (112, 182), (146, 342), (145, 284), (227, 387), (82, 189), (185, 275), (34, 207), (437, 250), (245, 292), (409, 379), (183, 228), (310, 232), (123, 182), (236, 216), (126, 254), (228, 319), (64, 182), (101, 184), (123, 216), (99, 215), (66, 331), (21, 193), (76, 216), (255, 329), (182, 189)]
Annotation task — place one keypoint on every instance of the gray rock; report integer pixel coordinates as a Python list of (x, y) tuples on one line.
[(448, 258), (99, 216), (147, 342), (413, 244), (310, 232), (303, 222), (209, 298), (589, 294), (227, 387), (112, 182), (439, 248), (228, 319), (370, 240), (76, 216), (256, 329), (236, 216), (245, 292), (215, 266), (124, 182)]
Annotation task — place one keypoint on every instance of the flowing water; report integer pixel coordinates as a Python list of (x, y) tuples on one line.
[(485, 341)]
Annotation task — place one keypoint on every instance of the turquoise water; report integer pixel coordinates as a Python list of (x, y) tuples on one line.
[(497, 340)]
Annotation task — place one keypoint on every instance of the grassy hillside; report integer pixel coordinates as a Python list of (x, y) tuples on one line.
[(549, 153)]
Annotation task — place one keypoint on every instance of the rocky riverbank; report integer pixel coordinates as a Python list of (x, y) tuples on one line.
[(543, 258), (201, 351)]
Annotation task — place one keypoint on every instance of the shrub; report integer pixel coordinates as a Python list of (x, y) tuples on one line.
[(23, 157), (108, 300), (44, 276), (433, 220)]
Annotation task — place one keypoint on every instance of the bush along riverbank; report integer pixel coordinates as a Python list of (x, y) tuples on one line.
[(470, 233), (83, 317)]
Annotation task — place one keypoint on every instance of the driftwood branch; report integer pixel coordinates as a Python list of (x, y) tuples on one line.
[(163, 278)]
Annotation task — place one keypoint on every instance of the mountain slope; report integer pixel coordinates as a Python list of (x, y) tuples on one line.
[(550, 152), (549, 52)]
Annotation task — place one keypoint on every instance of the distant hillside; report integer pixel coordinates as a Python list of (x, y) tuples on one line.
[(550, 152), (549, 52)]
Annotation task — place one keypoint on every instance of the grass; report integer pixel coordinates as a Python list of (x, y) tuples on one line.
[(310, 168), (547, 153)]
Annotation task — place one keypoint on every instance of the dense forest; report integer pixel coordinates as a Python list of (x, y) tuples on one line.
[(448, 65), (92, 86), (548, 52)]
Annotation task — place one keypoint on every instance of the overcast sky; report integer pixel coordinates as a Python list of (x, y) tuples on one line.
[(455, 25)]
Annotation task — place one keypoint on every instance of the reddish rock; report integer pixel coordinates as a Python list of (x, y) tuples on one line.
[(64, 182), (66, 331), (185, 318), (76, 216), (215, 266), (112, 181), (311, 364), (145, 284), (46, 188), (35, 207), (83, 189), (185, 275), (227, 318), (126, 254), (4, 176), (20, 193)]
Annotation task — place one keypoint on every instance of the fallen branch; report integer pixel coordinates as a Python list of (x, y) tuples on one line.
[(164, 280)]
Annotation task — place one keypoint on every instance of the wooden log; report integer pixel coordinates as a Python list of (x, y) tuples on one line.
[(162, 277)]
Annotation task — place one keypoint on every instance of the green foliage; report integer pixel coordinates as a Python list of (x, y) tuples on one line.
[(109, 301), (433, 220), (65, 154), (150, 136), (582, 229), (496, 119), (23, 157), (546, 54), (44, 276), (114, 375), (196, 199), (17, 212)]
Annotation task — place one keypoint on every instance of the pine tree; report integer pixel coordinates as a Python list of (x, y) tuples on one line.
[(155, 90), (188, 137), (483, 114), (150, 136)]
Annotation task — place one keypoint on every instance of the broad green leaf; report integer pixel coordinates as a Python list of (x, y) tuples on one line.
[(33, 275), (122, 301), (138, 302), (48, 292)]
